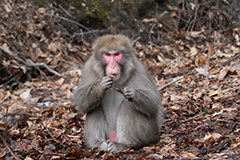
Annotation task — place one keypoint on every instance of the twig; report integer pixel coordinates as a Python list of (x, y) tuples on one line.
[(9, 148), (65, 10), (6, 97), (231, 59), (191, 118), (166, 85), (81, 31), (42, 73), (65, 19), (13, 78), (195, 15), (135, 40), (80, 34), (155, 45), (151, 30)]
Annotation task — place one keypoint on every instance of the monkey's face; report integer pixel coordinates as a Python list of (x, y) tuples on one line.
[(113, 67), (114, 53)]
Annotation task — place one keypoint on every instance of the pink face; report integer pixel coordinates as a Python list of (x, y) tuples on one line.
[(113, 68)]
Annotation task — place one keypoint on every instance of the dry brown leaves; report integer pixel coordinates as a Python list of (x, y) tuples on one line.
[(38, 119)]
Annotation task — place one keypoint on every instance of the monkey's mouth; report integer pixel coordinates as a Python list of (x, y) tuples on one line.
[(114, 75)]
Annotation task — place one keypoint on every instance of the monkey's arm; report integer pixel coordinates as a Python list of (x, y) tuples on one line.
[(88, 96), (144, 101)]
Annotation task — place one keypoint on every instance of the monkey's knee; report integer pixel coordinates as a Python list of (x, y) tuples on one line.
[(95, 129), (136, 135), (94, 136)]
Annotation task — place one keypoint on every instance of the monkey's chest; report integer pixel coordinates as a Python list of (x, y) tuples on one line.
[(111, 105)]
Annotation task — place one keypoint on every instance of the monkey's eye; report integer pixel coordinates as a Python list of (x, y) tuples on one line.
[(107, 54), (117, 54)]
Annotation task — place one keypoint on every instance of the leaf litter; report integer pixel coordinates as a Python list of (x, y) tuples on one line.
[(38, 120)]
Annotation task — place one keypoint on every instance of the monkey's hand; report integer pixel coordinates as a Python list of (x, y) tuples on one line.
[(107, 82), (127, 92)]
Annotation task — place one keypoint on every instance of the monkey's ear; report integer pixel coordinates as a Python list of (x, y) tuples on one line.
[(94, 44)]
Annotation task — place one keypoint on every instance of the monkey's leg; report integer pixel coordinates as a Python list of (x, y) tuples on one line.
[(96, 129), (133, 129)]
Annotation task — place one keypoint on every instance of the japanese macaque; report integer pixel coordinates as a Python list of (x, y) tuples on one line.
[(122, 105)]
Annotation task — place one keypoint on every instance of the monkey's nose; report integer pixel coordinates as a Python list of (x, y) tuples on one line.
[(113, 65)]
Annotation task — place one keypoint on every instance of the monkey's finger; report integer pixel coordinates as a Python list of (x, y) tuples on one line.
[(128, 96), (107, 79), (129, 91), (107, 85), (112, 147), (107, 82)]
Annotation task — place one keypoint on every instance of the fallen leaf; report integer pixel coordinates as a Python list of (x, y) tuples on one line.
[(53, 47), (216, 136), (206, 82), (147, 20), (203, 71), (216, 92), (193, 51), (217, 106), (3, 152), (200, 60), (26, 95), (223, 72), (42, 10), (174, 108), (7, 8), (186, 154), (154, 156)]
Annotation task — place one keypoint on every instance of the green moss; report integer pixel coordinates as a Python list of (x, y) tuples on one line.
[(40, 3), (205, 110), (107, 11), (100, 9)]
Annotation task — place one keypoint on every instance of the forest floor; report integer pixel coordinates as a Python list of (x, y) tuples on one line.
[(198, 76)]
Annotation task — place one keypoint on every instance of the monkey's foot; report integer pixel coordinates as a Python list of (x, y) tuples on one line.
[(104, 145), (112, 146)]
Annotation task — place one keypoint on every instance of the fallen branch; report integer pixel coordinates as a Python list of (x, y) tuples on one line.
[(49, 69), (65, 10), (166, 85), (32, 64), (11, 54), (135, 40)]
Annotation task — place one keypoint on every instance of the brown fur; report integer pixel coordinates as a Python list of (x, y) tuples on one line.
[(135, 122)]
